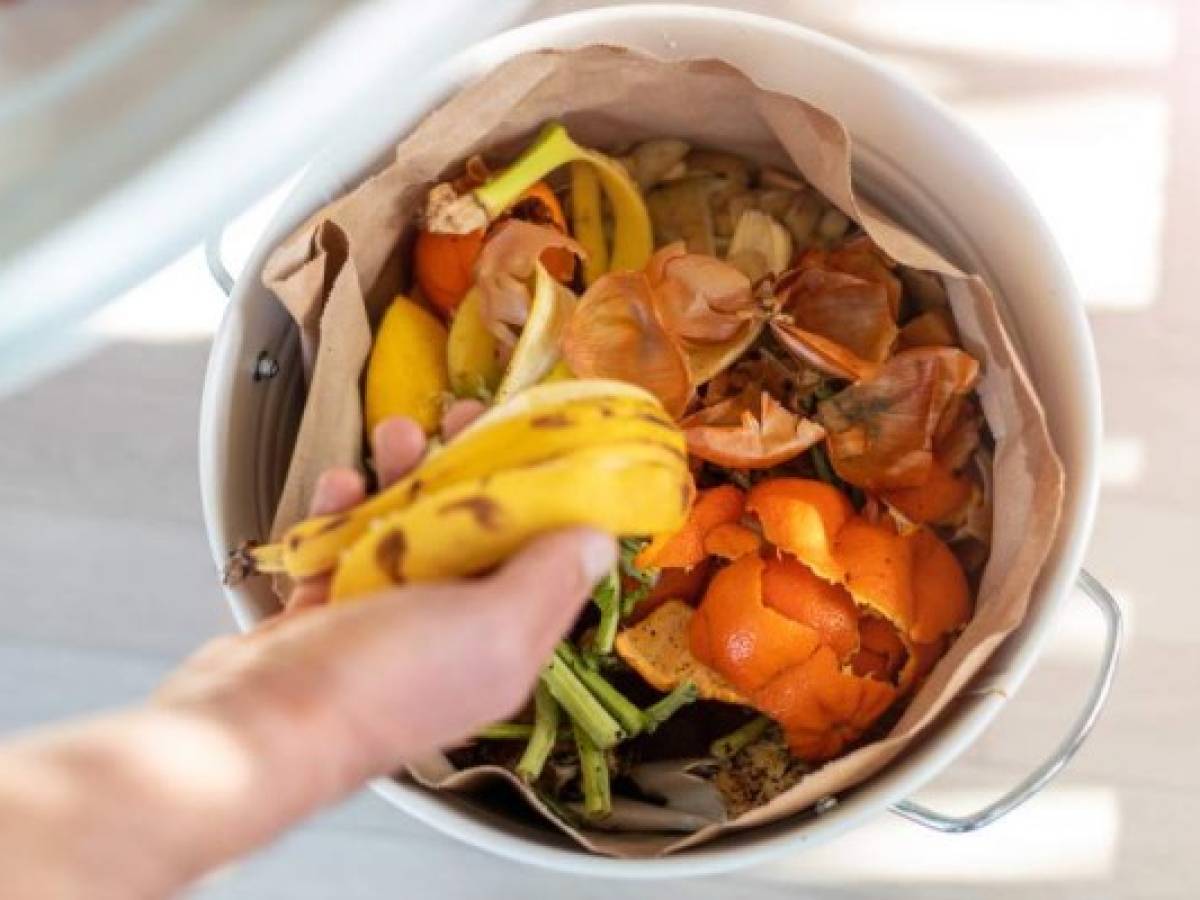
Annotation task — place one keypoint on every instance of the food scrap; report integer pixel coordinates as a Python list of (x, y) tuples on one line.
[(710, 361)]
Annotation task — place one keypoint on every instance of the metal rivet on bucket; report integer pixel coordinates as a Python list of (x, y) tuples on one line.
[(824, 805), (266, 367)]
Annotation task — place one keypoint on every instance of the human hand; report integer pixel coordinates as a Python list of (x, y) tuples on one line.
[(256, 731), (417, 668)]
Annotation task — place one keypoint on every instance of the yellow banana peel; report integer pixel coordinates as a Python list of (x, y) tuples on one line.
[(626, 488), (633, 235), (560, 372), (539, 422), (543, 397), (587, 220)]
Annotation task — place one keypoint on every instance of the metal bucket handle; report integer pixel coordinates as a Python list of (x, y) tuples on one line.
[(915, 812), (216, 265), (1036, 780)]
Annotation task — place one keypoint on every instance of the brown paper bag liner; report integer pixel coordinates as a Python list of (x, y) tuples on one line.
[(334, 271)]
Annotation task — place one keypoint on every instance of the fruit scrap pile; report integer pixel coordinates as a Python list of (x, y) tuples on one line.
[(710, 361)]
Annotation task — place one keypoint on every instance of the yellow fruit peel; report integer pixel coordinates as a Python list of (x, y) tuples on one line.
[(537, 422), (626, 488), (471, 352), (407, 373)]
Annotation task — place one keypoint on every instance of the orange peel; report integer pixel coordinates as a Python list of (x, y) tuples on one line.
[(793, 589), (821, 707), (942, 499), (788, 669), (941, 596), (736, 634), (673, 584), (685, 548), (732, 540), (882, 652), (658, 649), (802, 516), (878, 566)]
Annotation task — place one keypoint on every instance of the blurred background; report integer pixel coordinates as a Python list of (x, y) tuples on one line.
[(1092, 103)]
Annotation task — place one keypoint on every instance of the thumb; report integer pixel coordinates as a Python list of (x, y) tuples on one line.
[(441, 661), (539, 592)]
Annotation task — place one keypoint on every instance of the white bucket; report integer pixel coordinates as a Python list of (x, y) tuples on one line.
[(911, 157)]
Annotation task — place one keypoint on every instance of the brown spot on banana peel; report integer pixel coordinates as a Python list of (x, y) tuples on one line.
[(389, 555), (414, 489), (487, 512), (551, 458), (551, 420)]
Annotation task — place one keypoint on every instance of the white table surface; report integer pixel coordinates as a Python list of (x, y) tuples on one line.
[(108, 582)]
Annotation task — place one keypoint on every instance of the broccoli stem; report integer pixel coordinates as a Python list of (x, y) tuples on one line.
[(583, 708), (621, 708), (552, 148), (607, 597), (542, 735), (505, 731), (593, 775), (737, 740), (646, 579), (665, 707), (630, 601), (516, 731)]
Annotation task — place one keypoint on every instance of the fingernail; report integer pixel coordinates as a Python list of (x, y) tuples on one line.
[(597, 554), (324, 492), (460, 414)]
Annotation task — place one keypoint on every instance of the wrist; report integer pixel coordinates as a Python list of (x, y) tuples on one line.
[(107, 808)]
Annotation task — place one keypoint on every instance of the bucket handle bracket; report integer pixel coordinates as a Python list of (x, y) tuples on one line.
[(1036, 780)]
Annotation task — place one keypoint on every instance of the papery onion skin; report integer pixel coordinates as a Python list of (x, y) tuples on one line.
[(881, 430), (615, 332), (505, 268)]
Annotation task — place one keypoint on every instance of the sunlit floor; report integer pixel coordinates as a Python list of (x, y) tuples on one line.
[(1094, 105)]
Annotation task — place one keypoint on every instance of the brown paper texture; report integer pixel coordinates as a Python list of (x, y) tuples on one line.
[(609, 97)]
